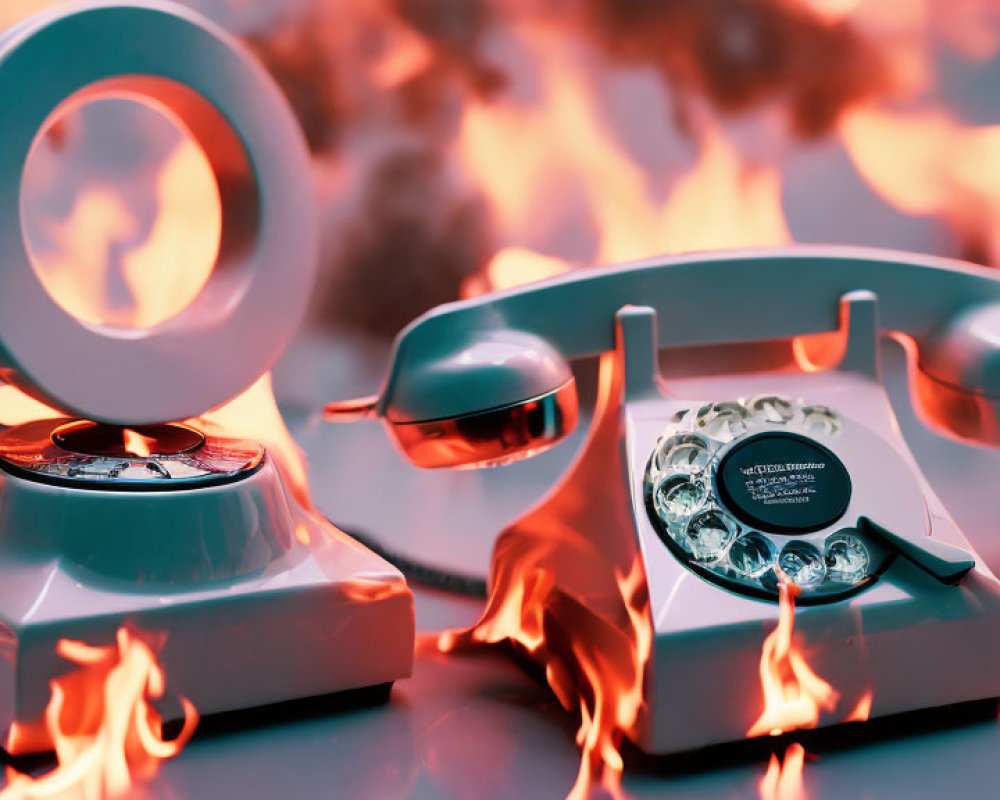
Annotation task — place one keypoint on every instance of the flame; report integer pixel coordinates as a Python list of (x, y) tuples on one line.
[(172, 265), (136, 443), (594, 653), (13, 10), (833, 10), (513, 266), (254, 414), (597, 133), (899, 156), (106, 263), (104, 730), (560, 153), (616, 703), (794, 695), (862, 710), (722, 202), (78, 275), (602, 679), (405, 57), (16, 407), (783, 779), (926, 163)]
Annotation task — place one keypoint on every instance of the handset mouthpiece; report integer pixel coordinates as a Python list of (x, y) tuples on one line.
[(485, 399), (957, 377), (490, 438)]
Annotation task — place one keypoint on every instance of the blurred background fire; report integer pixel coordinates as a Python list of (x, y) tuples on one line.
[(461, 145)]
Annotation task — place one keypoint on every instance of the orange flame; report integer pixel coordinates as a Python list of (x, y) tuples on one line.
[(833, 10), (794, 695), (16, 407), (406, 57), (862, 710), (562, 147), (928, 164), (136, 443), (104, 730), (604, 676), (173, 263), (255, 415), (13, 10), (513, 266), (106, 263), (594, 653), (616, 702), (783, 779)]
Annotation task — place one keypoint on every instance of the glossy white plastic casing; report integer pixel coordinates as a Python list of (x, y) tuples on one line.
[(250, 597), (231, 333), (947, 306), (890, 644)]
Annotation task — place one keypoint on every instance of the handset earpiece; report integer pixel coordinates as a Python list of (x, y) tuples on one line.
[(957, 374), (490, 398)]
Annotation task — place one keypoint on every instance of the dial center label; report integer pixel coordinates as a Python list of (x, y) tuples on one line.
[(783, 483)]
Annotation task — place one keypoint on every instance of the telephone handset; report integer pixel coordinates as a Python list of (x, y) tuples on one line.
[(719, 486), (487, 381), (483, 381)]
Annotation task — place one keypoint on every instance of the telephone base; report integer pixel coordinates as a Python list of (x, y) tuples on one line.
[(884, 651), (886, 647), (325, 616)]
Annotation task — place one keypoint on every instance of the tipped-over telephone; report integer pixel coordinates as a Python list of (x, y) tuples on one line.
[(720, 485)]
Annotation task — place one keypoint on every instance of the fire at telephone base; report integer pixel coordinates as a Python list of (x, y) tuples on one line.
[(677, 665)]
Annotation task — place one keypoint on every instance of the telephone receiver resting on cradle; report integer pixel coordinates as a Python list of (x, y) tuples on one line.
[(487, 381), (712, 491)]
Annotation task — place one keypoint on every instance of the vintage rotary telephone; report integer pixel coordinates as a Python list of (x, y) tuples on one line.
[(712, 482), (204, 542)]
